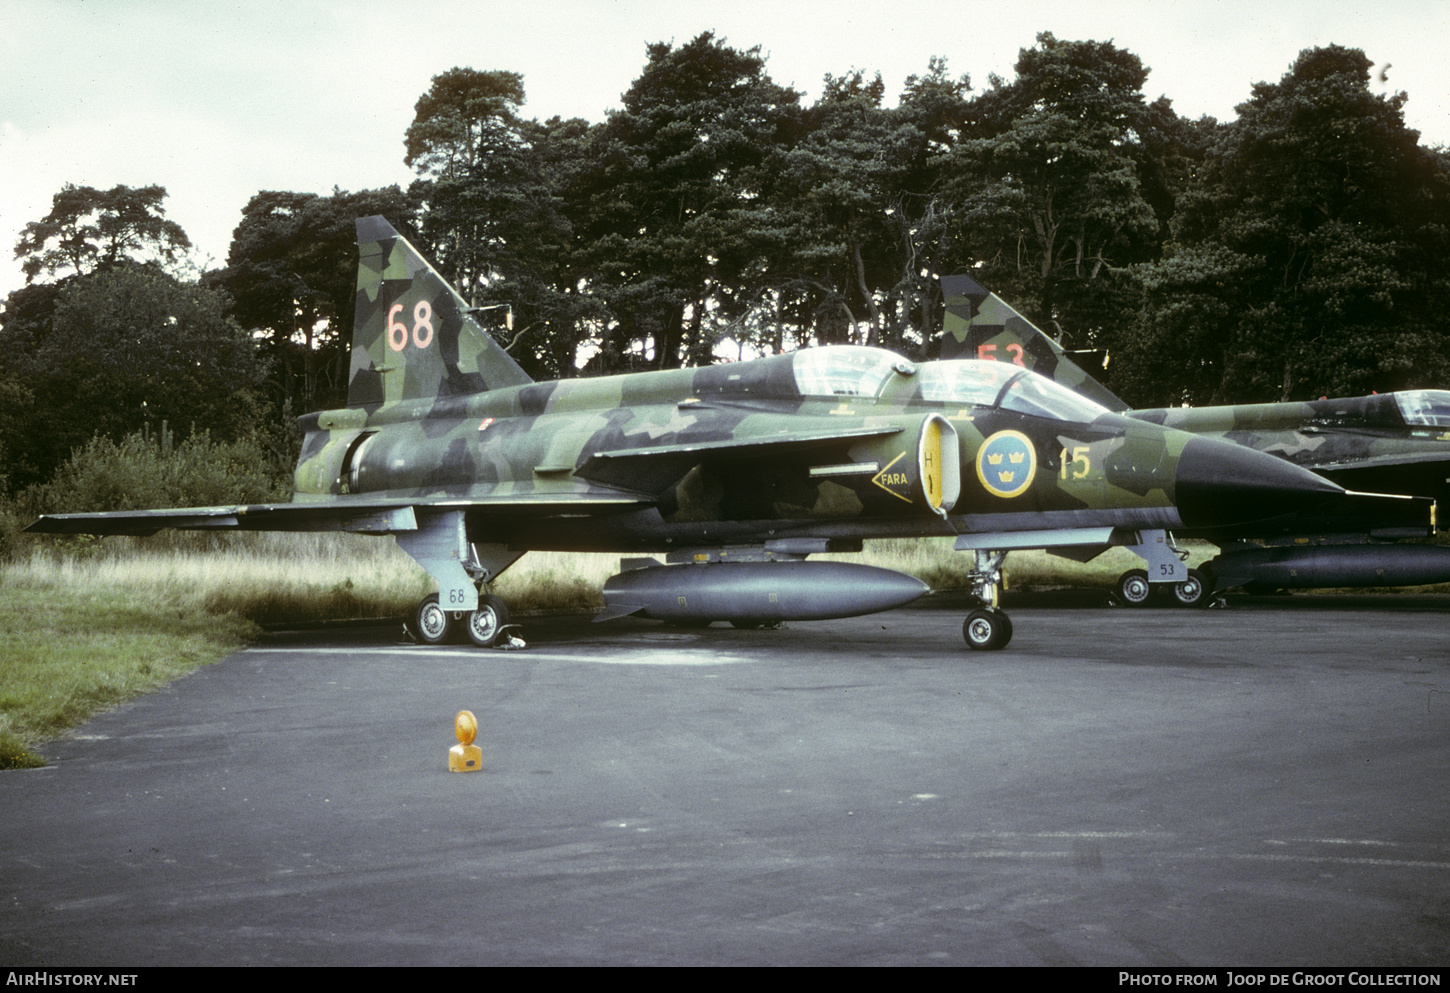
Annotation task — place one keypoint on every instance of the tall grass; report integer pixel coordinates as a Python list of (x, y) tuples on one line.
[(86, 623), (277, 579)]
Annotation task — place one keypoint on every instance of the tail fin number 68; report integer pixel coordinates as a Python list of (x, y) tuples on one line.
[(422, 327)]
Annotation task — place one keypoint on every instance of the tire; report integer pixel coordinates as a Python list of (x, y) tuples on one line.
[(987, 630), (1134, 588), (484, 624), (431, 624), (1195, 591)]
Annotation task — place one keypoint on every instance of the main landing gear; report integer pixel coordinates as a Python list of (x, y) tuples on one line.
[(432, 624), (439, 543), (1167, 574), (1134, 590)]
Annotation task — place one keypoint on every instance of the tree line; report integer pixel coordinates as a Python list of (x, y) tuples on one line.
[(1293, 252)]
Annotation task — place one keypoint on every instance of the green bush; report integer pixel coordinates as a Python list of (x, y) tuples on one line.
[(11, 523), (145, 471)]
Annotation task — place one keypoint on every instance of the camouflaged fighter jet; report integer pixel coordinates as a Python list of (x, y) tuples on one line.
[(735, 472), (1392, 443)]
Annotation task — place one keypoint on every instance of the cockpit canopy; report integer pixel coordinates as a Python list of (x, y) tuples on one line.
[(853, 370), (846, 370), (1425, 408)]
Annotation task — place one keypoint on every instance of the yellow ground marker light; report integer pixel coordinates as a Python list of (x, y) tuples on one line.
[(465, 756)]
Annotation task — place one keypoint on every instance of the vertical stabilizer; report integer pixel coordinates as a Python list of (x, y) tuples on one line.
[(979, 324), (412, 336)]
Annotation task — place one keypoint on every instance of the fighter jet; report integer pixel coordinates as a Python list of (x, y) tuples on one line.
[(734, 473), (1392, 443)]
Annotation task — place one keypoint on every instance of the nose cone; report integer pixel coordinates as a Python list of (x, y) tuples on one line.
[(1221, 484)]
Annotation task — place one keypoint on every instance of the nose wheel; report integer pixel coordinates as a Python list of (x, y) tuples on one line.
[(987, 629)]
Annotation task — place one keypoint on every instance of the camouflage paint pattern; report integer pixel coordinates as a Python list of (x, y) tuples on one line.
[(1363, 443)]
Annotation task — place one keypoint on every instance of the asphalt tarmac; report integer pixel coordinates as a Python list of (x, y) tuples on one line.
[(1264, 785)]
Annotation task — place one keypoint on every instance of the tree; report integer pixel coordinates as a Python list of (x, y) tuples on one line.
[(674, 210), (493, 186), (536, 265), (467, 145), (292, 272), (841, 176), (89, 228), (459, 119), (124, 348), (1050, 191), (1307, 258)]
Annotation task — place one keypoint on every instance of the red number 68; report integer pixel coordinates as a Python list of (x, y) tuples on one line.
[(422, 327)]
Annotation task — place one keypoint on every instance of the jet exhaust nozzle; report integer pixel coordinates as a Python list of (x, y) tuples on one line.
[(758, 592)]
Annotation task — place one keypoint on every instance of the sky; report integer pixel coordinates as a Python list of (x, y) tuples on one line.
[(217, 100)]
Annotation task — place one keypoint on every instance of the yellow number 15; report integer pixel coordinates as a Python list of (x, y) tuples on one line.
[(1078, 457)]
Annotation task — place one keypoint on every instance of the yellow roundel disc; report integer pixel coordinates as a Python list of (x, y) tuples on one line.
[(465, 725)]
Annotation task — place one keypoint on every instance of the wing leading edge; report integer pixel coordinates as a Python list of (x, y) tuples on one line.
[(368, 517)]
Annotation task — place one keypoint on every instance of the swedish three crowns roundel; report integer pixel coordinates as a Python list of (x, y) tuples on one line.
[(1006, 463)]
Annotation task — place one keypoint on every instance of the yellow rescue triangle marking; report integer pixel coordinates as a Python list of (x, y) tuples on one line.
[(886, 479)]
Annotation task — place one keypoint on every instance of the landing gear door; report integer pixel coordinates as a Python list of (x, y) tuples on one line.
[(1165, 563), (440, 546)]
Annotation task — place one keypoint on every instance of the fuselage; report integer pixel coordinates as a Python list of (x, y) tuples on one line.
[(844, 442), (1382, 443)]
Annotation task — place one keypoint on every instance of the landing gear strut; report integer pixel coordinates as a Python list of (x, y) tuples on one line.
[(439, 543)]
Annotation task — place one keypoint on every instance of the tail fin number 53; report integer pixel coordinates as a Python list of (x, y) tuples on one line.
[(422, 327)]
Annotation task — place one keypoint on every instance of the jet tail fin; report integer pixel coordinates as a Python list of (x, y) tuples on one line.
[(412, 335), (980, 325)]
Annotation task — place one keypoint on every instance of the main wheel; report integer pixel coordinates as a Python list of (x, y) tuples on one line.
[(431, 624), (484, 624), (1193, 591), (1134, 588), (987, 629)]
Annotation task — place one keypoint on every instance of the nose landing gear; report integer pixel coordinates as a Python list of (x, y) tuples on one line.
[(987, 627)]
